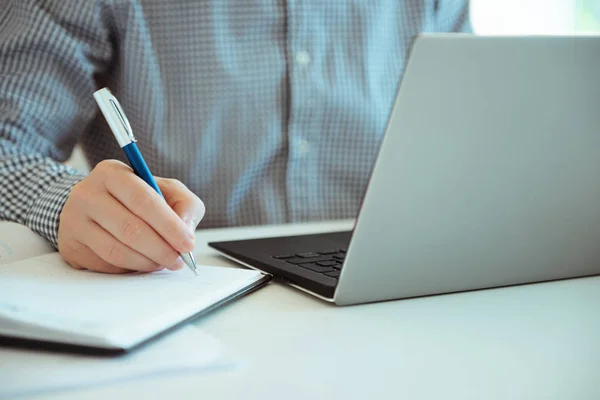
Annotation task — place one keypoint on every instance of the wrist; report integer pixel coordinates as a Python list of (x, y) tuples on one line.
[(43, 216)]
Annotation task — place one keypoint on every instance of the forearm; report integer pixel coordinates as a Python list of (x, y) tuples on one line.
[(50, 53), (33, 190)]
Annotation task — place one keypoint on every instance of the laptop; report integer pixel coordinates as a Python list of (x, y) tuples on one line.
[(488, 175)]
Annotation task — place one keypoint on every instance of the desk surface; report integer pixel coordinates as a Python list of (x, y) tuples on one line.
[(538, 341)]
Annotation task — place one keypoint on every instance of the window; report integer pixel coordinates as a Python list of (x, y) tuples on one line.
[(588, 16), (530, 17)]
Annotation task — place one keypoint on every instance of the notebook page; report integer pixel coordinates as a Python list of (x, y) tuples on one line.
[(44, 292)]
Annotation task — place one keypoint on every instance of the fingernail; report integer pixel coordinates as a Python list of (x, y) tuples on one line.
[(188, 243), (178, 265), (191, 223)]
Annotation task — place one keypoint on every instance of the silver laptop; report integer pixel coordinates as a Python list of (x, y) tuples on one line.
[(488, 175)]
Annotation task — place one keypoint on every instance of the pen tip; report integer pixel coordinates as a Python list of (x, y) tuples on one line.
[(190, 261)]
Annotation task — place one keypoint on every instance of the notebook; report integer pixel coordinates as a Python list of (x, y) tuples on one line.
[(46, 303), (188, 350)]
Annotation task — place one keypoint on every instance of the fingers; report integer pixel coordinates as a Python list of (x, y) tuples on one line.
[(114, 252), (143, 201), (81, 257), (132, 231), (114, 222), (183, 201)]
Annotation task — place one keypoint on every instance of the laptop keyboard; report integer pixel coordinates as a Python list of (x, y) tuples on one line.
[(325, 262)]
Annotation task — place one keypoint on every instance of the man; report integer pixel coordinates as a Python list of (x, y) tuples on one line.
[(270, 111)]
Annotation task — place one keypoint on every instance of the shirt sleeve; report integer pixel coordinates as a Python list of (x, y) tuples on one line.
[(50, 53), (453, 16)]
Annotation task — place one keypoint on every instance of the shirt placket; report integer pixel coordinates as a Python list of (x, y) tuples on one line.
[(301, 190)]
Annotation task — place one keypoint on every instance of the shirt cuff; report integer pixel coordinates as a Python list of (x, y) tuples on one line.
[(43, 217)]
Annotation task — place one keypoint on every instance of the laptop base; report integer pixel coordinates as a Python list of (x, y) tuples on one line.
[(308, 262)]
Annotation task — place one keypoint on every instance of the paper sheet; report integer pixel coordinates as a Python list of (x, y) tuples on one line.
[(17, 242), (186, 350)]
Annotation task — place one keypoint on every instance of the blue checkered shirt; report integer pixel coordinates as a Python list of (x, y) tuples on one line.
[(271, 111)]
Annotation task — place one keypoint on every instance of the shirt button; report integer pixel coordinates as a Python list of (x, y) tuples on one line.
[(303, 147), (302, 57)]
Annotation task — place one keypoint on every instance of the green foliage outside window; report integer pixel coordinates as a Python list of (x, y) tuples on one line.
[(588, 16)]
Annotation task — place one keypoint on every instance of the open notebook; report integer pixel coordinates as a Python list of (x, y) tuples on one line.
[(45, 301)]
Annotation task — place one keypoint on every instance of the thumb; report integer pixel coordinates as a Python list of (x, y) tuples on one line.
[(183, 201)]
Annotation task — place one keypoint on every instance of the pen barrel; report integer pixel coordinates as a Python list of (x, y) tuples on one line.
[(139, 166)]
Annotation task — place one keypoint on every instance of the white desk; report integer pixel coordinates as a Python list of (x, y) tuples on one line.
[(529, 342)]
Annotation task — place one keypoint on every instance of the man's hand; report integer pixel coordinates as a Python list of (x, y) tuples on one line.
[(114, 222)]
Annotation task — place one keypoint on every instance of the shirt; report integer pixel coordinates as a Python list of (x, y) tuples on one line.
[(271, 111)]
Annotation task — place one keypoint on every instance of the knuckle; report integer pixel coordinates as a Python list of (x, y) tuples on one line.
[(106, 165), (115, 254), (142, 199), (176, 182), (176, 187), (105, 168), (132, 231)]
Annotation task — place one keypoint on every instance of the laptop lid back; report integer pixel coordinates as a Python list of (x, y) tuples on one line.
[(489, 172)]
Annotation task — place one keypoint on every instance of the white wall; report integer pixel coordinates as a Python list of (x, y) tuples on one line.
[(78, 161)]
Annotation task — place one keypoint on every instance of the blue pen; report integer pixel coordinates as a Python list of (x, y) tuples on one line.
[(114, 115)]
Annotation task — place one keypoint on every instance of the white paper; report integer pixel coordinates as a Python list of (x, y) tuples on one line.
[(18, 242), (186, 350), (42, 295)]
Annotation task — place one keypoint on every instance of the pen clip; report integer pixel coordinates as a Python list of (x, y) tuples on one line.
[(123, 119)]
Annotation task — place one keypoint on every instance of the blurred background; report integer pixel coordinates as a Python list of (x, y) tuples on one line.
[(511, 17), (545, 17)]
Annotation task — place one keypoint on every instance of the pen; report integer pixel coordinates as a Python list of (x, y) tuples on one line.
[(115, 116)]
